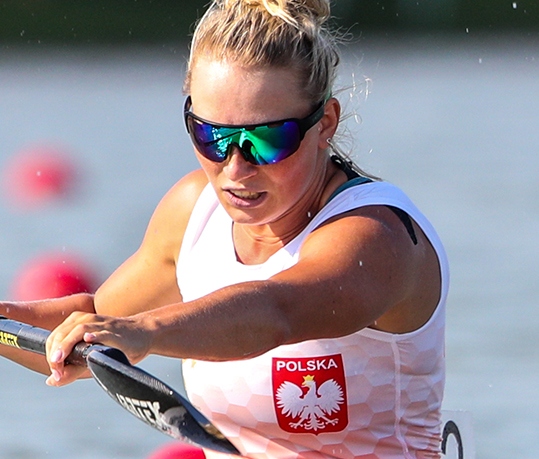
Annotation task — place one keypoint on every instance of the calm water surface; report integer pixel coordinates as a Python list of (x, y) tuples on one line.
[(453, 123)]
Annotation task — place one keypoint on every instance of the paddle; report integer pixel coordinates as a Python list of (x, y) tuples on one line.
[(143, 395)]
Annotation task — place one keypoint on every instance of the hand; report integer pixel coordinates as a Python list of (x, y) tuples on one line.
[(123, 333)]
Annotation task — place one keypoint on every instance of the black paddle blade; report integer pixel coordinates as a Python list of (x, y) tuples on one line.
[(155, 403)]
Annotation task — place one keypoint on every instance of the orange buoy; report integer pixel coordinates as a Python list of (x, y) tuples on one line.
[(178, 451), (53, 275), (37, 176)]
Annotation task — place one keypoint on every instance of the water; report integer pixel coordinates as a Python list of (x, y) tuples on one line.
[(453, 123)]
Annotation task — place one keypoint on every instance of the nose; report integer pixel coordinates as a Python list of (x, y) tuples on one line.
[(237, 167)]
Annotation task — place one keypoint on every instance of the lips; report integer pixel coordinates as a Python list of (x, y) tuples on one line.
[(249, 195), (244, 198)]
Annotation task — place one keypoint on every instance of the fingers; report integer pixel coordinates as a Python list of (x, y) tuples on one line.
[(89, 338), (76, 328), (123, 333), (71, 373)]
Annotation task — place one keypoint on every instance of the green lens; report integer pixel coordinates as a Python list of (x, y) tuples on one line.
[(260, 145), (270, 144)]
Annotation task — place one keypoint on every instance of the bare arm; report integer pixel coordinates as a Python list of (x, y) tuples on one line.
[(45, 314), (355, 272), (358, 270), (145, 281)]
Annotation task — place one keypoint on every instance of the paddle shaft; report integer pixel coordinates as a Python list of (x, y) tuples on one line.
[(30, 338)]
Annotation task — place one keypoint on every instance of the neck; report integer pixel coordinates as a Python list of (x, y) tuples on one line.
[(256, 243)]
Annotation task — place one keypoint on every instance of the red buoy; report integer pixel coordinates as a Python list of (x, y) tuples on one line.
[(178, 451), (53, 275), (38, 175)]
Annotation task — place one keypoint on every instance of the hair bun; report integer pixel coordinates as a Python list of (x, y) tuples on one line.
[(294, 12)]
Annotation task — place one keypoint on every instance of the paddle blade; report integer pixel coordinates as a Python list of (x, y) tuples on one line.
[(152, 401)]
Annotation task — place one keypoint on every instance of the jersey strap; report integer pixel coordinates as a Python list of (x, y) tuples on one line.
[(359, 180), (354, 179)]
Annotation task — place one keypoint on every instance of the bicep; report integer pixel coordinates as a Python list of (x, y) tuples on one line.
[(147, 280), (139, 284), (350, 272)]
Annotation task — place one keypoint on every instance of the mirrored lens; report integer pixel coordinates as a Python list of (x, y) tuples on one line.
[(212, 142), (260, 145), (271, 144)]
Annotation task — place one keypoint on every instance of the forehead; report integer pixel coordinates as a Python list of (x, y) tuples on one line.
[(229, 93)]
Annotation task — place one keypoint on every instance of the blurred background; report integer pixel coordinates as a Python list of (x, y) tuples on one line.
[(442, 99), (142, 21)]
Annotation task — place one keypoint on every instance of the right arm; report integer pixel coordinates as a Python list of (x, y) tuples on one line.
[(44, 314), (145, 281)]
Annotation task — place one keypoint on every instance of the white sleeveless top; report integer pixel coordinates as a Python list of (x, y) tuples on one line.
[(369, 394)]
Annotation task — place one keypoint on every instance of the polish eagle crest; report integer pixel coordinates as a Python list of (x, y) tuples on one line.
[(314, 408)]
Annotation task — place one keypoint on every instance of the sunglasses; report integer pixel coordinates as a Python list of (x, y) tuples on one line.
[(265, 143)]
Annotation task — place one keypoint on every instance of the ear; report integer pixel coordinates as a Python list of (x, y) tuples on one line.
[(329, 122)]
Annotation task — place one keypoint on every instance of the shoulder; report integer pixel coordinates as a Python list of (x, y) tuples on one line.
[(362, 209), (371, 247), (182, 196), (169, 220), (363, 219), (186, 191), (148, 276), (360, 228)]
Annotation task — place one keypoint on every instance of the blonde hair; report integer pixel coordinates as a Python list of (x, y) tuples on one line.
[(274, 33), (271, 33)]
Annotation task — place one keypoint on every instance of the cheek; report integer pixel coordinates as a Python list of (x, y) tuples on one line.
[(291, 176), (211, 168), (296, 174)]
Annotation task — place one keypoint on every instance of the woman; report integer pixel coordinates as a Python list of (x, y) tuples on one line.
[(306, 300)]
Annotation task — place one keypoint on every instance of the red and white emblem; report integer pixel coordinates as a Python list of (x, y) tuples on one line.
[(309, 394)]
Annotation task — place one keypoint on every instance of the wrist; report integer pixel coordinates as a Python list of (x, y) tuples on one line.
[(147, 325)]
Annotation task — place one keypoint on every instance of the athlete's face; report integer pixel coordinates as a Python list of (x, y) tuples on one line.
[(226, 93)]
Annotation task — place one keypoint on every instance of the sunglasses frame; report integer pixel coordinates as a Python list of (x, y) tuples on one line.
[(303, 124)]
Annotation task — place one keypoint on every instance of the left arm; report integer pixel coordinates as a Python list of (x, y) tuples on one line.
[(353, 271), (335, 289)]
